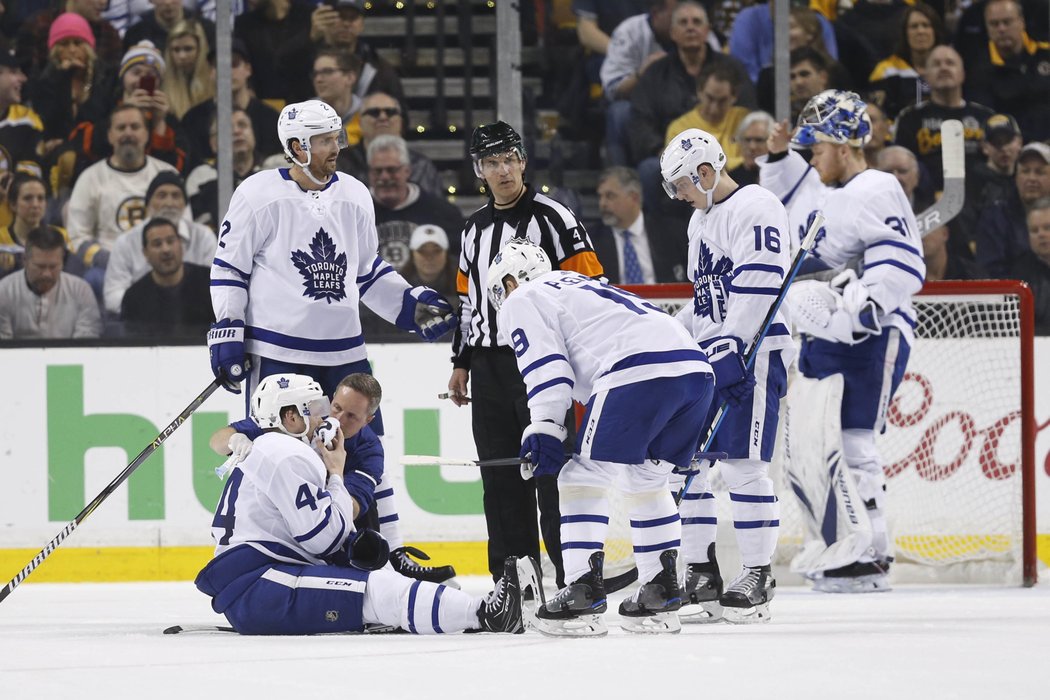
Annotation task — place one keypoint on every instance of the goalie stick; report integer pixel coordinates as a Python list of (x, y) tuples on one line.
[(120, 479), (752, 351), (953, 163)]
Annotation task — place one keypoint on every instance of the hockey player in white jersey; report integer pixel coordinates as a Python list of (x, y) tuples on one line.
[(646, 387), (297, 252), (859, 326), (287, 557), (738, 258)]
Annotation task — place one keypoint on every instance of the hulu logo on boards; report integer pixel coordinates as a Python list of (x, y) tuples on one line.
[(71, 433)]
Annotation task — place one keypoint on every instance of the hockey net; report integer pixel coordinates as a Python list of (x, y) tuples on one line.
[(958, 447)]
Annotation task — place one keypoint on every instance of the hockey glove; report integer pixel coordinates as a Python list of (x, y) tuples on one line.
[(426, 312), (226, 347), (368, 550), (542, 449), (734, 382), (326, 431), (240, 446), (863, 312)]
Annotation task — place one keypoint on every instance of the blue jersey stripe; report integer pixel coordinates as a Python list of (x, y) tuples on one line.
[(339, 536), (549, 384), (320, 526), (435, 620), (659, 547), (747, 498), (222, 263), (388, 519), (412, 592), (363, 289), (655, 522), (657, 358), (585, 518), (759, 267), (361, 279), (384, 494), (699, 521), (910, 270), (767, 291), (698, 496), (305, 344), (229, 283), (754, 524), (581, 545), (542, 361), (897, 244)]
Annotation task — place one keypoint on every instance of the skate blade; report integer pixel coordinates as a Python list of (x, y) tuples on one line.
[(703, 613), (583, 626), (747, 616), (876, 583), (532, 596), (660, 623)]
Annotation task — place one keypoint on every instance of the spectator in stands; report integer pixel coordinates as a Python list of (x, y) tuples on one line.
[(265, 30), (990, 180), (202, 185), (74, 84), (630, 251), (20, 126), (197, 122), (903, 165), (165, 199), (187, 82), (431, 265), (1033, 265), (918, 127), (595, 23), (880, 135), (751, 41), (109, 196), (971, 32), (381, 114), (715, 112), (156, 24), (42, 301), (942, 263), (898, 81), (1002, 232), (809, 74), (750, 138), (338, 24), (400, 204), (877, 24), (334, 76), (33, 44), (174, 299), (1014, 75), (636, 43), (669, 90), (27, 200)]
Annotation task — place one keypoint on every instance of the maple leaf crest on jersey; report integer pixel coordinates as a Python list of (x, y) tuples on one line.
[(709, 295), (324, 272)]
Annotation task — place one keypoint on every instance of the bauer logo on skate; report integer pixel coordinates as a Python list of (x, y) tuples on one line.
[(323, 271)]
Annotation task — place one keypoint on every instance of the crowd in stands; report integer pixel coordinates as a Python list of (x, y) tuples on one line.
[(108, 136)]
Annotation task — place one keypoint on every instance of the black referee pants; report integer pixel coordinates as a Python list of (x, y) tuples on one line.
[(500, 413)]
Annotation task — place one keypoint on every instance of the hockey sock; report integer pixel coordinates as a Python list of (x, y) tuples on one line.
[(655, 527), (755, 508), (699, 521), (584, 524), (386, 509)]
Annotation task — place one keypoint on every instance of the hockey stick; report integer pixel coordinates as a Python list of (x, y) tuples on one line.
[(953, 162), (432, 460), (120, 479), (208, 629), (752, 352)]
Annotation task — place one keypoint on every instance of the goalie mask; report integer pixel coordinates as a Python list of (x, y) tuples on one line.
[(303, 120), (279, 391), (833, 116), (681, 160), (494, 139), (522, 260)]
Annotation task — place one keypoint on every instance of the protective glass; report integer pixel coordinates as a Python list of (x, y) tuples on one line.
[(673, 188)]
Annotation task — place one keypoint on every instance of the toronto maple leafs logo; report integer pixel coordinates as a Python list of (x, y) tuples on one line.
[(283, 382), (709, 285), (292, 113), (324, 272), (687, 144)]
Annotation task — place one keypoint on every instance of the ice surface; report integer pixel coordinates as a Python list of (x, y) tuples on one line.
[(85, 641)]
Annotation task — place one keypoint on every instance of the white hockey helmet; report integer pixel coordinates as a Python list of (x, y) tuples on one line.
[(684, 155), (280, 390), (302, 120), (521, 259), (833, 116)]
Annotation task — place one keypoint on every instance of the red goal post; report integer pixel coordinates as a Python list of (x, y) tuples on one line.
[(960, 441)]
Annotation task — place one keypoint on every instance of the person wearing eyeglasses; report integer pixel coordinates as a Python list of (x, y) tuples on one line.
[(381, 113), (334, 76)]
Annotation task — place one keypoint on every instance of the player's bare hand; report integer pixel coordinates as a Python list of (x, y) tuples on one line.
[(334, 454), (457, 387), (779, 137)]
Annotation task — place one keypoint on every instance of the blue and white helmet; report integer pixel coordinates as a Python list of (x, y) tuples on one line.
[(833, 116), (302, 120), (280, 390), (685, 153)]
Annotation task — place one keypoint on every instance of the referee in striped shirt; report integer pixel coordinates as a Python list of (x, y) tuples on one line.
[(500, 408)]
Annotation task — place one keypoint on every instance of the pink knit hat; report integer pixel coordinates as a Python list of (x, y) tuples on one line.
[(70, 25)]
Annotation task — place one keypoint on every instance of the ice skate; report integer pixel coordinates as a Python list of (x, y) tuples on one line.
[(746, 599), (858, 577), (530, 581), (501, 609), (406, 566), (576, 610), (703, 588), (653, 607)]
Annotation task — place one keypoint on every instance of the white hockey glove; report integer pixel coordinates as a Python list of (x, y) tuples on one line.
[(326, 432), (240, 447), (839, 311)]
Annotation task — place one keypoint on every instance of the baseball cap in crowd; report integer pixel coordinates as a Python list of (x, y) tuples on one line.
[(165, 177), (8, 59), (428, 233), (143, 52), (1037, 148), (1000, 128), (70, 25)]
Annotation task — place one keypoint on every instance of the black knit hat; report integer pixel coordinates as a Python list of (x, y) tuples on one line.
[(166, 177)]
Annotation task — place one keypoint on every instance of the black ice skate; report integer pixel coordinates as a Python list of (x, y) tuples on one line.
[(703, 588), (500, 611), (858, 577), (652, 609), (406, 566), (746, 600), (576, 610)]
